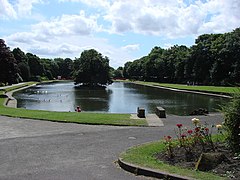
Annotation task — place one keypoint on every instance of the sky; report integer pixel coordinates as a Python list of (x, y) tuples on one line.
[(123, 30)]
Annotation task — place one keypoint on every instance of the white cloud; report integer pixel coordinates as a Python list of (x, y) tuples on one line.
[(224, 16), (18, 8), (173, 18), (24, 7), (68, 25), (69, 34), (93, 3), (167, 46), (131, 47), (7, 10), (66, 36)]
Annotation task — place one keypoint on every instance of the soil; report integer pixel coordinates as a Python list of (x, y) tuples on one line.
[(230, 167)]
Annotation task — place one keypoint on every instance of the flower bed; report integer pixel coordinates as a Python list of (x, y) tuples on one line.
[(195, 148)]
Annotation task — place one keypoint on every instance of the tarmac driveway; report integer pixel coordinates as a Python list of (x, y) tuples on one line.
[(32, 149)]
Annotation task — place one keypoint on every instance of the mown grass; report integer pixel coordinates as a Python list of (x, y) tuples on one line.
[(67, 117), (144, 156), (210, 89)]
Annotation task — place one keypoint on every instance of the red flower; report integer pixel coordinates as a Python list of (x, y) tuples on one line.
[(167, 138), (179, 125), (197, 129), (207, 130), (183, 135), (190, 131)]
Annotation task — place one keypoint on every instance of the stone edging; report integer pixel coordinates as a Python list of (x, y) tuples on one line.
[(137, 170), (10, 100)]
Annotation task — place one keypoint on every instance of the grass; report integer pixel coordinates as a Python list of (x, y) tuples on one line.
[(143, 155), (67, 117), (208, 89)]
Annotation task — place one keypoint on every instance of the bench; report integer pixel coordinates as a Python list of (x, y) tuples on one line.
[(141, 112), (160, 112)]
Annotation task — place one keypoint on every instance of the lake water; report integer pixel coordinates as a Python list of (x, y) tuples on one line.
[(117, 98)]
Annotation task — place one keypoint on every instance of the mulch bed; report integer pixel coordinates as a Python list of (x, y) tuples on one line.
[(230, 167)]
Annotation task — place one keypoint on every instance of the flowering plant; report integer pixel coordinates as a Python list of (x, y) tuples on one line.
[(188, 138), (169, 146)]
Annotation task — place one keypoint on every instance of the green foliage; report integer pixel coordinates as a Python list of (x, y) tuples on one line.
[(24, 70), (118, 73), (231, 113), (36, 68), (213, 60), (65, 67), (92, 69), (8, 65)]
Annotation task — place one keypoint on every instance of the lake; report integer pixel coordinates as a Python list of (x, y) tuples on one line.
[(117, 98)]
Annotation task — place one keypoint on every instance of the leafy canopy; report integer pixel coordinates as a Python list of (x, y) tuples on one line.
[(92, 69)]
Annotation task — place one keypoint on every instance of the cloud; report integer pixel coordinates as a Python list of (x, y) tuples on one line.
[(15, 9), (93, 3), (24, 7), (223, 16), (173, 18), (167, 45), (131, 47), (68, 25), (7, 10), (67, 35)]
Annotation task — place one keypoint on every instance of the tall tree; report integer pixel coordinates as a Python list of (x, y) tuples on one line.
[(36, 68), (8, 66), (92, 69), (22, 63)]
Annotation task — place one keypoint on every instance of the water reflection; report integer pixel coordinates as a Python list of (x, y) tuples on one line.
[(92, 100), (116, 98)]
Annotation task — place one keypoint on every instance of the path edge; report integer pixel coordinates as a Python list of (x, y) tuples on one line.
[(137, 170)]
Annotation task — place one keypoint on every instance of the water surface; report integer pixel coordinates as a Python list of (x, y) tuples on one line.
[(117, 98)]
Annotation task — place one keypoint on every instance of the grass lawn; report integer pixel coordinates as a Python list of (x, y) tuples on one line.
[(68, 117), (210, 89), (143, 155)]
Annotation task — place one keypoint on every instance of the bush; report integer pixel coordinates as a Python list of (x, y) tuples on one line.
[(231, 113)]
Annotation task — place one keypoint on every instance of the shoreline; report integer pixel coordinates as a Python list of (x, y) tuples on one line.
[(10, 100), (184, 91)]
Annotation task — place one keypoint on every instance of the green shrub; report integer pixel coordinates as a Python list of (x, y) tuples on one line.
[(231, 113)]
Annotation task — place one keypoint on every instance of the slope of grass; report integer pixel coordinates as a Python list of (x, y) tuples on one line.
[(210, 89)]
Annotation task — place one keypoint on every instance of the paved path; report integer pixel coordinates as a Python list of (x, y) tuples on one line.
[(32, 149), (152, 120)]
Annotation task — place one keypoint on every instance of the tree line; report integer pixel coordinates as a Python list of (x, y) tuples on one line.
[(214, 59), (91, 69)]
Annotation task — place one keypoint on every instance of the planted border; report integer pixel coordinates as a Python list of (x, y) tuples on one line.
[(143, 156)]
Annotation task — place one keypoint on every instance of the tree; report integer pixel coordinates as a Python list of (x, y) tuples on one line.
[(36, 68), (22, 63), (8, 67), (118, 73), (92, 69)]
